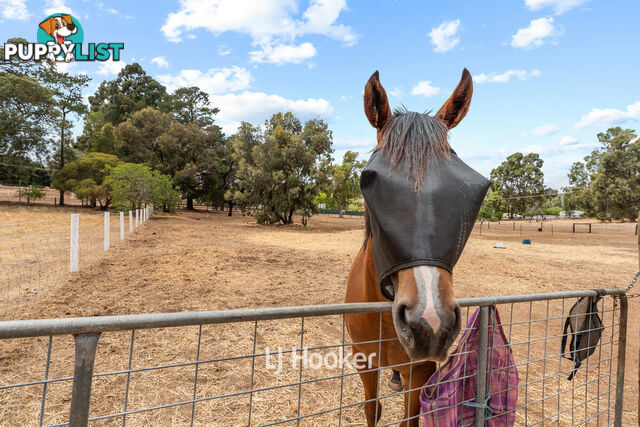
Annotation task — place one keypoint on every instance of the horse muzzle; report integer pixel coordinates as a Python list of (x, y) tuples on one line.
[(426, 334)]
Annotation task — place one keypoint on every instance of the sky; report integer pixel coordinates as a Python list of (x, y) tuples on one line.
[(548, 74)]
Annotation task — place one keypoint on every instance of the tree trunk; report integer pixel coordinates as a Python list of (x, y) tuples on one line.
[(62, 153), (230, 208), (190, 203), (341, 213)]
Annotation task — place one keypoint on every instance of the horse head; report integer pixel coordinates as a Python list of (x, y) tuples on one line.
[(421, 202)]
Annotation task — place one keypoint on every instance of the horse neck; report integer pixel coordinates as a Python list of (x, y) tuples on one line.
[(362, 285)]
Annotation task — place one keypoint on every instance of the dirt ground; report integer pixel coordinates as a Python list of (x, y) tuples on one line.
[(204, 261)]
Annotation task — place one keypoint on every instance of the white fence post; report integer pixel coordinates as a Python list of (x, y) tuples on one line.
[(106, 231), (130, 222), (73, 252), (121, 225), (137, 220)]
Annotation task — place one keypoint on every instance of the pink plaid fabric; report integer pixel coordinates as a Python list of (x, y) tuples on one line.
[(444, 393)]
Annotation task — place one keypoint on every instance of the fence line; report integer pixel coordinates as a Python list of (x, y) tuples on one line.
[(228, 380), (558, 226), (33, 261)]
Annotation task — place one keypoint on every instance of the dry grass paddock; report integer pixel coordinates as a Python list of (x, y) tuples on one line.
[(34, 250), (201, 261)]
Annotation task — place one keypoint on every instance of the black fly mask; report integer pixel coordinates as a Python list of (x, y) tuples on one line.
[(415, 225)]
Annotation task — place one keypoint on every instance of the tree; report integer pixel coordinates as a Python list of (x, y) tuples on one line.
[(133, 185), (67, 94), (25, 113), (132, 90), (85, 177), (344, 181), (607, 183), (616, 183), (35, 192), (493, 206), (516, 179), (578, 195), (287, 169), (142, 137), (191, 105)]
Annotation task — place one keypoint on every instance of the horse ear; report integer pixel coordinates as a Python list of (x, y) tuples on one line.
[(456, 107), (376, 103)]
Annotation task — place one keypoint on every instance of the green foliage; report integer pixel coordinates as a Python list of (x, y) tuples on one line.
[(344, 180), (21, 170), (191, 105), (34, 192), (286, 170), (26, 109), (134, 185), (607, 184), (516, 178), (493, 207), (85, 177), (67, 93), (132, 90), (555, 210)]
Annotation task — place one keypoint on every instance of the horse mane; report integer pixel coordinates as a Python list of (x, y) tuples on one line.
[(413, 139)]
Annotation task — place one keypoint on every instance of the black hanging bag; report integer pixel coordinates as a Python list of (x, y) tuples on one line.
[(586, 329)]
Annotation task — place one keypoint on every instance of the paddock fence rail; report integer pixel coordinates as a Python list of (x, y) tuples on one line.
[(291, 366)]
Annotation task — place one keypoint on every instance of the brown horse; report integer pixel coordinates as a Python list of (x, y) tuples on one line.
[(425, 316)]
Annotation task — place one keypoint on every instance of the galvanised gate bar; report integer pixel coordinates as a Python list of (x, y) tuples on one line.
[(285, 366)]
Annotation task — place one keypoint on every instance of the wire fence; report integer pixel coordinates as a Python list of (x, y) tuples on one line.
[(36, 254), (16, 194), (286, 366), (556, 227)]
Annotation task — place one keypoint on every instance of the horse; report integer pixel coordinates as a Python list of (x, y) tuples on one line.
[(425, 317)]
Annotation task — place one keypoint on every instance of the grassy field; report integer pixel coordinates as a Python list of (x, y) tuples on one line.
[(200, 261)]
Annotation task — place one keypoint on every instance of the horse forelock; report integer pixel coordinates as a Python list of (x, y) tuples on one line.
[(413, 139)]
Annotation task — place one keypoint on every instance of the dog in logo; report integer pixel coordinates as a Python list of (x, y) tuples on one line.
[(59, 27)]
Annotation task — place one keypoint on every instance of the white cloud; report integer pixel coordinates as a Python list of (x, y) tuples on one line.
[(282, 54), (535, 33), (424, 88), (110, 67), (395, 92), (255, 107), (110, 10), (506, 76), (567, 144), (568, 140), (56, 6), (272, 24), (214, 81), (320, 18), (14, 9), (608, 116), (223, 50), (160, 61), (543, 130), (558, 6), (444, 37), (65, 67)]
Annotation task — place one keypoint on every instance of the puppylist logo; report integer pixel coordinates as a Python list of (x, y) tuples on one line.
[(60, 37)]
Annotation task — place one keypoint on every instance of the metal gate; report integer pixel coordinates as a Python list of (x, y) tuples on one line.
[(285, 366)]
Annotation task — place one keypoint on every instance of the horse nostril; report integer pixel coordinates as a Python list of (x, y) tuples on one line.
[(402, 315), (456, 313)]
